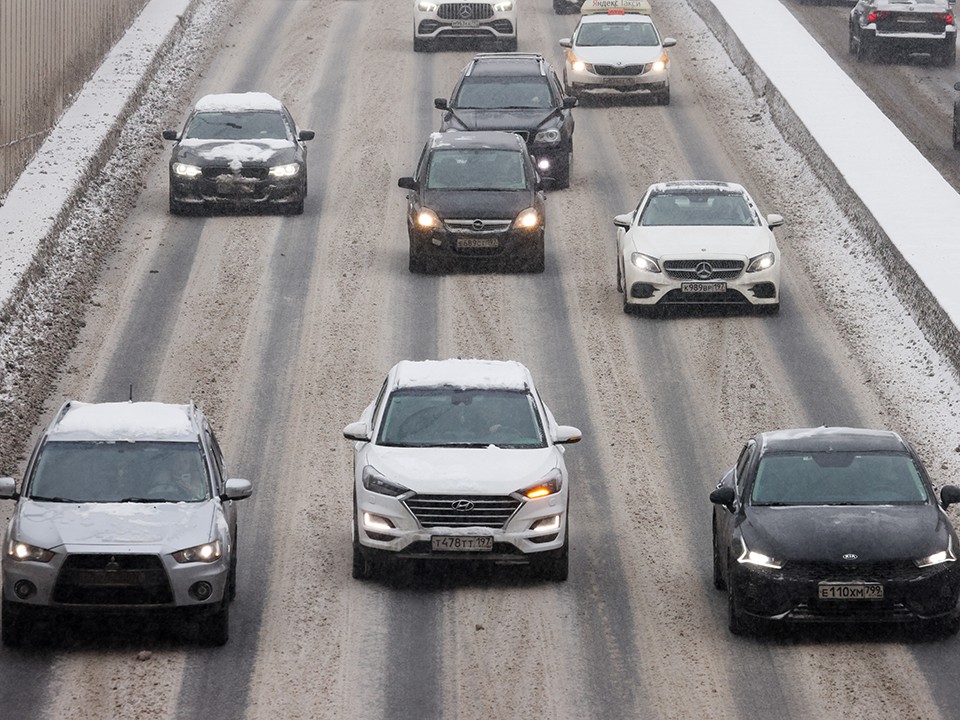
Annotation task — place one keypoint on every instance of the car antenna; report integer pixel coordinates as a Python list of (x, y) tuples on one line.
[(131, 392)]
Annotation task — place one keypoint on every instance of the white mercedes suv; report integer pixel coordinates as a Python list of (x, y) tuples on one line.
[(125, 507), (460, 460), (435, 20)]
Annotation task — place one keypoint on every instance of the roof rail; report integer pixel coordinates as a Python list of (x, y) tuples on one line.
[(538, 57)]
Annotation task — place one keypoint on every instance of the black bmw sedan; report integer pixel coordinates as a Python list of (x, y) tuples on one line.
[(834, 525), (238, 150)]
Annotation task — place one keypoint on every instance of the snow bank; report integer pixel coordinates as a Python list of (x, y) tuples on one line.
[(40, 199), (895, 195)]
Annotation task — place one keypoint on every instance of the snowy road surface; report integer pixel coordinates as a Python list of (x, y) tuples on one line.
[(282, 328)]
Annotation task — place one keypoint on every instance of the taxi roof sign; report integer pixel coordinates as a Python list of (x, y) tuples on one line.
[(615, 7)]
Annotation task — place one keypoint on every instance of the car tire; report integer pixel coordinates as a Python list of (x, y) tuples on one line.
[(12, 624), (735, 620), (956, 127), (422, 46), (851, 41), (214, 627), (556, 567), (536, 261), (417, 264), (560, 7), (663, 97), (363, 567), (772, 309), (718, 581), (619, 277), (232, 577), (948, 57), (866, 49), (565, 169), (177, 208)]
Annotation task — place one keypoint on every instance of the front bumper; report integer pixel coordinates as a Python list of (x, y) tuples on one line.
[(445, 244), (235, 190), (647, 80), (928, 594), (514, 543), (647, 288), (430, 26)]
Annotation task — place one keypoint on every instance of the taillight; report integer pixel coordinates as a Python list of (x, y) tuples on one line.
[(877, 15), (946, 17)]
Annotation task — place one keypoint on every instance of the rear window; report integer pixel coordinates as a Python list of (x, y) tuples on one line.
[(476, 169), (838, 478)]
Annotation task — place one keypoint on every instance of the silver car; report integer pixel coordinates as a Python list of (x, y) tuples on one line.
[(124, 507)]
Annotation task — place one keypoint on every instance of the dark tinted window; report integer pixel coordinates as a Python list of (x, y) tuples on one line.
[(237, 126), (503, 93), (476, 169)]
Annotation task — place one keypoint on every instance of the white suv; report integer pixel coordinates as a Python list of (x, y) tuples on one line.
[(435, 20), (460, 460), (124, 507)]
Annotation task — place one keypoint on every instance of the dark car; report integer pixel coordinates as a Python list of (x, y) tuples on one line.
[(238, 150), (519, 93), (916, 26), (476, 198), (834, 525), (562, 7)]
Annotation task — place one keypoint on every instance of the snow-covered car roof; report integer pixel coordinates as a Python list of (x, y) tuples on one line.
[(128, 421), (693, 186), (626, 7), (466, 374), (238, 102)]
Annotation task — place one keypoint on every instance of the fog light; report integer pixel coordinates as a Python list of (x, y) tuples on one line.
[(201, 590), (543, 164), (547, 524), (24, 589)]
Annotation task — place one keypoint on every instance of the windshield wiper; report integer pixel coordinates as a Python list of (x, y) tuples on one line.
[(41, 498), (140, 500)]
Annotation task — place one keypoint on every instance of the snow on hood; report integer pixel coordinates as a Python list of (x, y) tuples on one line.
[(125, 421), (471, 471), (473, 374), (238, 102), (236, 151), (640, 55), (167, 527), (719, 241)]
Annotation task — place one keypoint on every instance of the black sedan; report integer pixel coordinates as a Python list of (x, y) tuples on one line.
[(834, 525), (238, 150)]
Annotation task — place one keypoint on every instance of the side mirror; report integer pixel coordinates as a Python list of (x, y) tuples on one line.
[(441, 104), (236, 489), (774, 221), (669, 42), (567, 434), (570, 102), (307, 135), (357, 431), (170, 135), (623, 221), (565, 42), (723, 496), (8, 489), (949, 495), (407, 183)]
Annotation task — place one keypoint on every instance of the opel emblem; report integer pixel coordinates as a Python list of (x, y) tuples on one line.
[(462, 505), (465, 12), (478, 225), (113, 565), (850, 556), (703, 270)]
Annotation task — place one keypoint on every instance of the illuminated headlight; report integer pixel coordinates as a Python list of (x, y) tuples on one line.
[(761, 262), (503, 6), (543, 164), (645, 263), (427, 6), (377, 523), (184, 170), (24, 551), (938, 558), (550, 136), (376, 482), (206, 553), (551, 483), (660, 64), (427, 219), (547, 524), (578, 65), (751, 557), (288, 170), (527, 220)]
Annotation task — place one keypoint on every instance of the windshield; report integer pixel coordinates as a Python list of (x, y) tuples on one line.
[(480, 169), (697, 208), (838, 478), (449, 417), (610, 34), (267, 125), (504, 93), (103, 472)]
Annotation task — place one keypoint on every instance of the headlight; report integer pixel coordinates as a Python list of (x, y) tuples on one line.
[(551, 483), (645, 262), (750, 557), (206, 553), (24, 551), (761, 262), (375, 482), (184, 170), (529, 219), (660, 64), (427, 219), (938, 558), (551, 136), (578, 65), (503, 6), (426, 6), (288, 170)]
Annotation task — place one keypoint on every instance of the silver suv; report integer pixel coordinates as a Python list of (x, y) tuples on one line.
[(125, 506)]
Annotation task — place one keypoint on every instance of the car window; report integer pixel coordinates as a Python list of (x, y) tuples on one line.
[(742, 462), (697, 208), (611, 34), (838, 478), (504, 93), (237, 126), (102, 472), (437, 417), (476, 169)]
